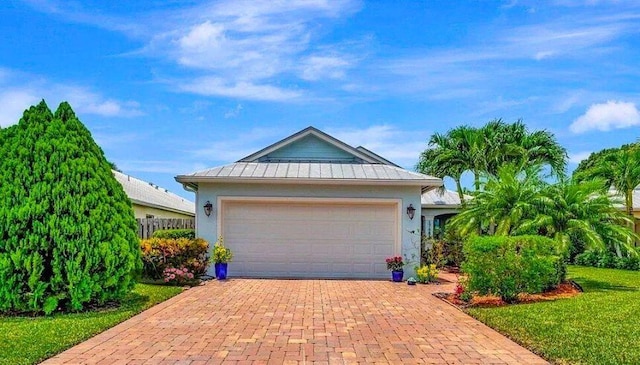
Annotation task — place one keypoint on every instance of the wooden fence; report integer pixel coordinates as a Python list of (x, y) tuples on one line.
[(146, 226)]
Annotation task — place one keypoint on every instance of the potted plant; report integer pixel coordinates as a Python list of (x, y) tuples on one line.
[(395, 265), (221, 257)]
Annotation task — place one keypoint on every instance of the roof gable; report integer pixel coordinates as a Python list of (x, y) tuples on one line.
[(311, 145)]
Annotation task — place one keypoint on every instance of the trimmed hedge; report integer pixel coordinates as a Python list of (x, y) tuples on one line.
[(506, 266), (175, 233), (608, 260), (159, 254)]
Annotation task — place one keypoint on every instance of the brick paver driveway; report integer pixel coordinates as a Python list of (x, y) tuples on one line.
[(301, 321)]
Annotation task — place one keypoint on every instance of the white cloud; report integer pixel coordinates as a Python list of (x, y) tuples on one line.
[(577, 157), (399, 146), (18, 91), (607, 116), (245, 49), (86, 101), (233, 113), (322, 67), (232, 148), (214, 86), (112, 140), (14, 102)]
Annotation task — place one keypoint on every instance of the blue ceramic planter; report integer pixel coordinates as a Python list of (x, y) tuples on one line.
[(396, 276), (221, 270)]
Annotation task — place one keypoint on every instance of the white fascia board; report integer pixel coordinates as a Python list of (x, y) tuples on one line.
[(207, 179)]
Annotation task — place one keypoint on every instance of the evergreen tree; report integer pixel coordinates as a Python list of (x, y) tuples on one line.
[(67, 230)]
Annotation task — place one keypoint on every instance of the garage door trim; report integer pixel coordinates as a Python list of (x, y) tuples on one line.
[(359, 201)]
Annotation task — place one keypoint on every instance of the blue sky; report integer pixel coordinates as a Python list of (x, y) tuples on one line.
[(171, 87)]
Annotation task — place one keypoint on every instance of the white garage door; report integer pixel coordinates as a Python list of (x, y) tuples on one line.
[(309, 239)]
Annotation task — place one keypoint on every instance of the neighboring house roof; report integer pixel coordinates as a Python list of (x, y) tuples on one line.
[(636, 198), (144, 193), (441, 199), (311, 156)]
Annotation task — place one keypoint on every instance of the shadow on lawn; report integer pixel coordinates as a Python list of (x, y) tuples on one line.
[(590, 285)]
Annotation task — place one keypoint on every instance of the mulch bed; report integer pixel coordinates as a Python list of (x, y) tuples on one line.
[(564, 290)]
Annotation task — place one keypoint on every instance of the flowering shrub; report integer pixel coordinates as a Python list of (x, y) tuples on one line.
[(427, 273), (395, 263), (458, 290), (159, 254), (461, 292), (179, 276), (221, 254)]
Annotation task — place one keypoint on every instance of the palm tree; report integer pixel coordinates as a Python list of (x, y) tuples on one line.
[(513, 143), (515, 202), (506, 200), (484, 150), (621, 169), (572, 210), (451, 154)]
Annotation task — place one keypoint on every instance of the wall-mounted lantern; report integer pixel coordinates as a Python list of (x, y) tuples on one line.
[(411, 211), (208, 207)]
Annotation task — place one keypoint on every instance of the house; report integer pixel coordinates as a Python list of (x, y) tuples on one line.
[(311, 206), (151, 201), (438, 206), (636, 205)]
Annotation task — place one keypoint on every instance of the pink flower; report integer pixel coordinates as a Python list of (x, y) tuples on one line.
[(172, 276), (190, 275)]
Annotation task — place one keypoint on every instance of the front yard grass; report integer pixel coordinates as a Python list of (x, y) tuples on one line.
[(28, 340), (600, 326)]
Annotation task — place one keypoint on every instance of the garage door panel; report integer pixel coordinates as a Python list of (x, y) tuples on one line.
[(301, 239)]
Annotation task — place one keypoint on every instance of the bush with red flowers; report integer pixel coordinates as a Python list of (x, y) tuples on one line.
[(395, 263)]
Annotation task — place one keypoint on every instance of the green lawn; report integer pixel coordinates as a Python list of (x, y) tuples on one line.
[(601, 326), (28, 340)]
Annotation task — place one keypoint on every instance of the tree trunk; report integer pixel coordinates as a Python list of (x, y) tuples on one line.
[(460, 193), (476, 178), (629, 203)]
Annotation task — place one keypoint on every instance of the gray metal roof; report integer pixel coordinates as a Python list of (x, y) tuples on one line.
[(313, 171), (144, 193), (620, 197), (444, 199)]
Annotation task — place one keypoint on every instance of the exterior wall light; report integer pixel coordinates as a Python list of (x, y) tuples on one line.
[(208, 207), (411, 211)]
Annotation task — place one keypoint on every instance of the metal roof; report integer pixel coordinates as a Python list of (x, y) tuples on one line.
[(636, 198), (443, 199), (144, 193), (311, 171)]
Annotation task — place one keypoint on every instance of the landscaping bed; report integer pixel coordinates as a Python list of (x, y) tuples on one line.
[(29, 340), (599, 326), (564, 290)]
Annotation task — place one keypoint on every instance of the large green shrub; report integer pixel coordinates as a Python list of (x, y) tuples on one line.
[(509, 265), (175, 233), (160, 254), (606, 259), (67, 230)]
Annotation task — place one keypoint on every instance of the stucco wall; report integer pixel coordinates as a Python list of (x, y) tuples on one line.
[(141, 211), (206, 227)]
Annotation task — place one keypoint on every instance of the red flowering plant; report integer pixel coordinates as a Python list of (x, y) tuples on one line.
[(395, 263)]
